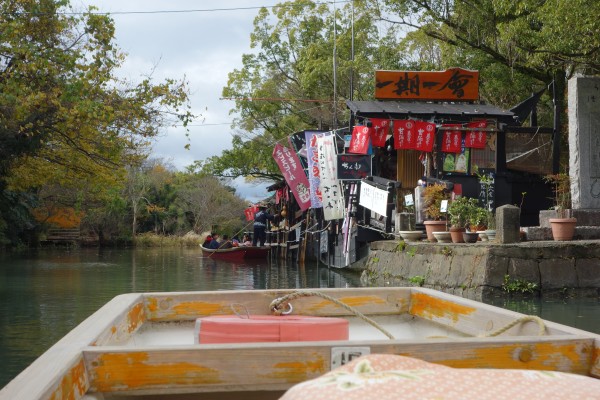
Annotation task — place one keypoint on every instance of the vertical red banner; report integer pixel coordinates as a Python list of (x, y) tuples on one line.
[(359, 144), (451, 138), (294, 175), (425, 136), (404, 134), (475, 138), (380, 128)]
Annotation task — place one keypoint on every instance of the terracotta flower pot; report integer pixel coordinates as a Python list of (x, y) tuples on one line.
[(434, 226), (563, 228), (456, 234)]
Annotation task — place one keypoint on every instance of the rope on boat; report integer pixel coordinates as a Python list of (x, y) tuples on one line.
[(234, 306), (525, 318), (277, 309), (282, 305)]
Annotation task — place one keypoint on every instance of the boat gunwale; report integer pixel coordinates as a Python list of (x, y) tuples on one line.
[(240, 253), (117, 317)]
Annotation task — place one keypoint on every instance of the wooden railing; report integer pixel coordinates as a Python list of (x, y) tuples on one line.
[(63, 235)]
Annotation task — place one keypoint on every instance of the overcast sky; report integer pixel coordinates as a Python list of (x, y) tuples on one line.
[(202, 45)]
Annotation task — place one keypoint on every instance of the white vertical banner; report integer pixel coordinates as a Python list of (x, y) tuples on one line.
[(373, 198), (331, 188)]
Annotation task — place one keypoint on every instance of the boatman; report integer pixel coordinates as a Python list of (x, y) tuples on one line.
[(260, 225)]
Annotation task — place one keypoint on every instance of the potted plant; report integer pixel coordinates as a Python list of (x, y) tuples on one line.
[(432, 197), (563, 227), (490, 232), (477, 217), (458, 211), (476, 220)]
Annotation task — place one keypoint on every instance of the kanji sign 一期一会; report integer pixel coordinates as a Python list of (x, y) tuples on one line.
[(452, 84)]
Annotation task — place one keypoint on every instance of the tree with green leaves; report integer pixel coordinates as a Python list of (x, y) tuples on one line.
[(519, 46), (289, 83), (65, 118)]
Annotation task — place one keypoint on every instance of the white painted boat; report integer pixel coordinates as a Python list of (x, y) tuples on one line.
[(143, 345)]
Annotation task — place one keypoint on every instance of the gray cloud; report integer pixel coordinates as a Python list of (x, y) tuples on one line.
[(201, 46)]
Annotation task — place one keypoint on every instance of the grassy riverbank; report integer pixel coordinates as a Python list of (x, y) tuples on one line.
[(154, 240)]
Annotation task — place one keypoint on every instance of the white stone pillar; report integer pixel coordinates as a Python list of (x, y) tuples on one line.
[(584, 141)]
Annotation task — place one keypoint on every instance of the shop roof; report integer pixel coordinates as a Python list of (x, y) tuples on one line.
[(462, 112)]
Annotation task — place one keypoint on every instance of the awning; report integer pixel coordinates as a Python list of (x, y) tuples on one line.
[(459, 112)]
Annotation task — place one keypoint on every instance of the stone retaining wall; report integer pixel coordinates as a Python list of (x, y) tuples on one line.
[(473, 270)]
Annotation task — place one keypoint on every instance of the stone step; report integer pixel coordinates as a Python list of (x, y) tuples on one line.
[(534, 233), (584, 217)]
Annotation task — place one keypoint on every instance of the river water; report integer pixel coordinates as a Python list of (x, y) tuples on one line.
[(46, 293)]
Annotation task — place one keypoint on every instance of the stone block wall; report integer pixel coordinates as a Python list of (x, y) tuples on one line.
[(473, 270)]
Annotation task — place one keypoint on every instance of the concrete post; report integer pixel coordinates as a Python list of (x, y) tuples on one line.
[(507, 224)]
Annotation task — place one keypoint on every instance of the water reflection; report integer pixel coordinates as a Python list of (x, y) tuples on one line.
[(581, 313), (45, 294), (278, 274)]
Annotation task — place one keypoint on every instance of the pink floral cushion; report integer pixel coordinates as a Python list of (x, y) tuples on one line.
[(381, 377)]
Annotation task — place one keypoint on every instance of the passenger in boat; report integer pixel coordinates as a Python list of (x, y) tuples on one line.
[(226, 243), (235, 241), (214, 243), (260, 225), (246, 241), (207, 241)]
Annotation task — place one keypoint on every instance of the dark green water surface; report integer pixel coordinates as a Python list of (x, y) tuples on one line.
[(44, 294)]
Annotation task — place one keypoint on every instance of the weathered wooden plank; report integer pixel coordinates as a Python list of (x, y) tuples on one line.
[(191, 305), (475, 318), (269, 366), (124, 323)]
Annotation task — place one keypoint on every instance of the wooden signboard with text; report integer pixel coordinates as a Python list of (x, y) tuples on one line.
[(353, 166), (455, 84)]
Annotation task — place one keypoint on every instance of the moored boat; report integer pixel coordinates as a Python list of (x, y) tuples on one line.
[(142, 345), (237, 253)]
